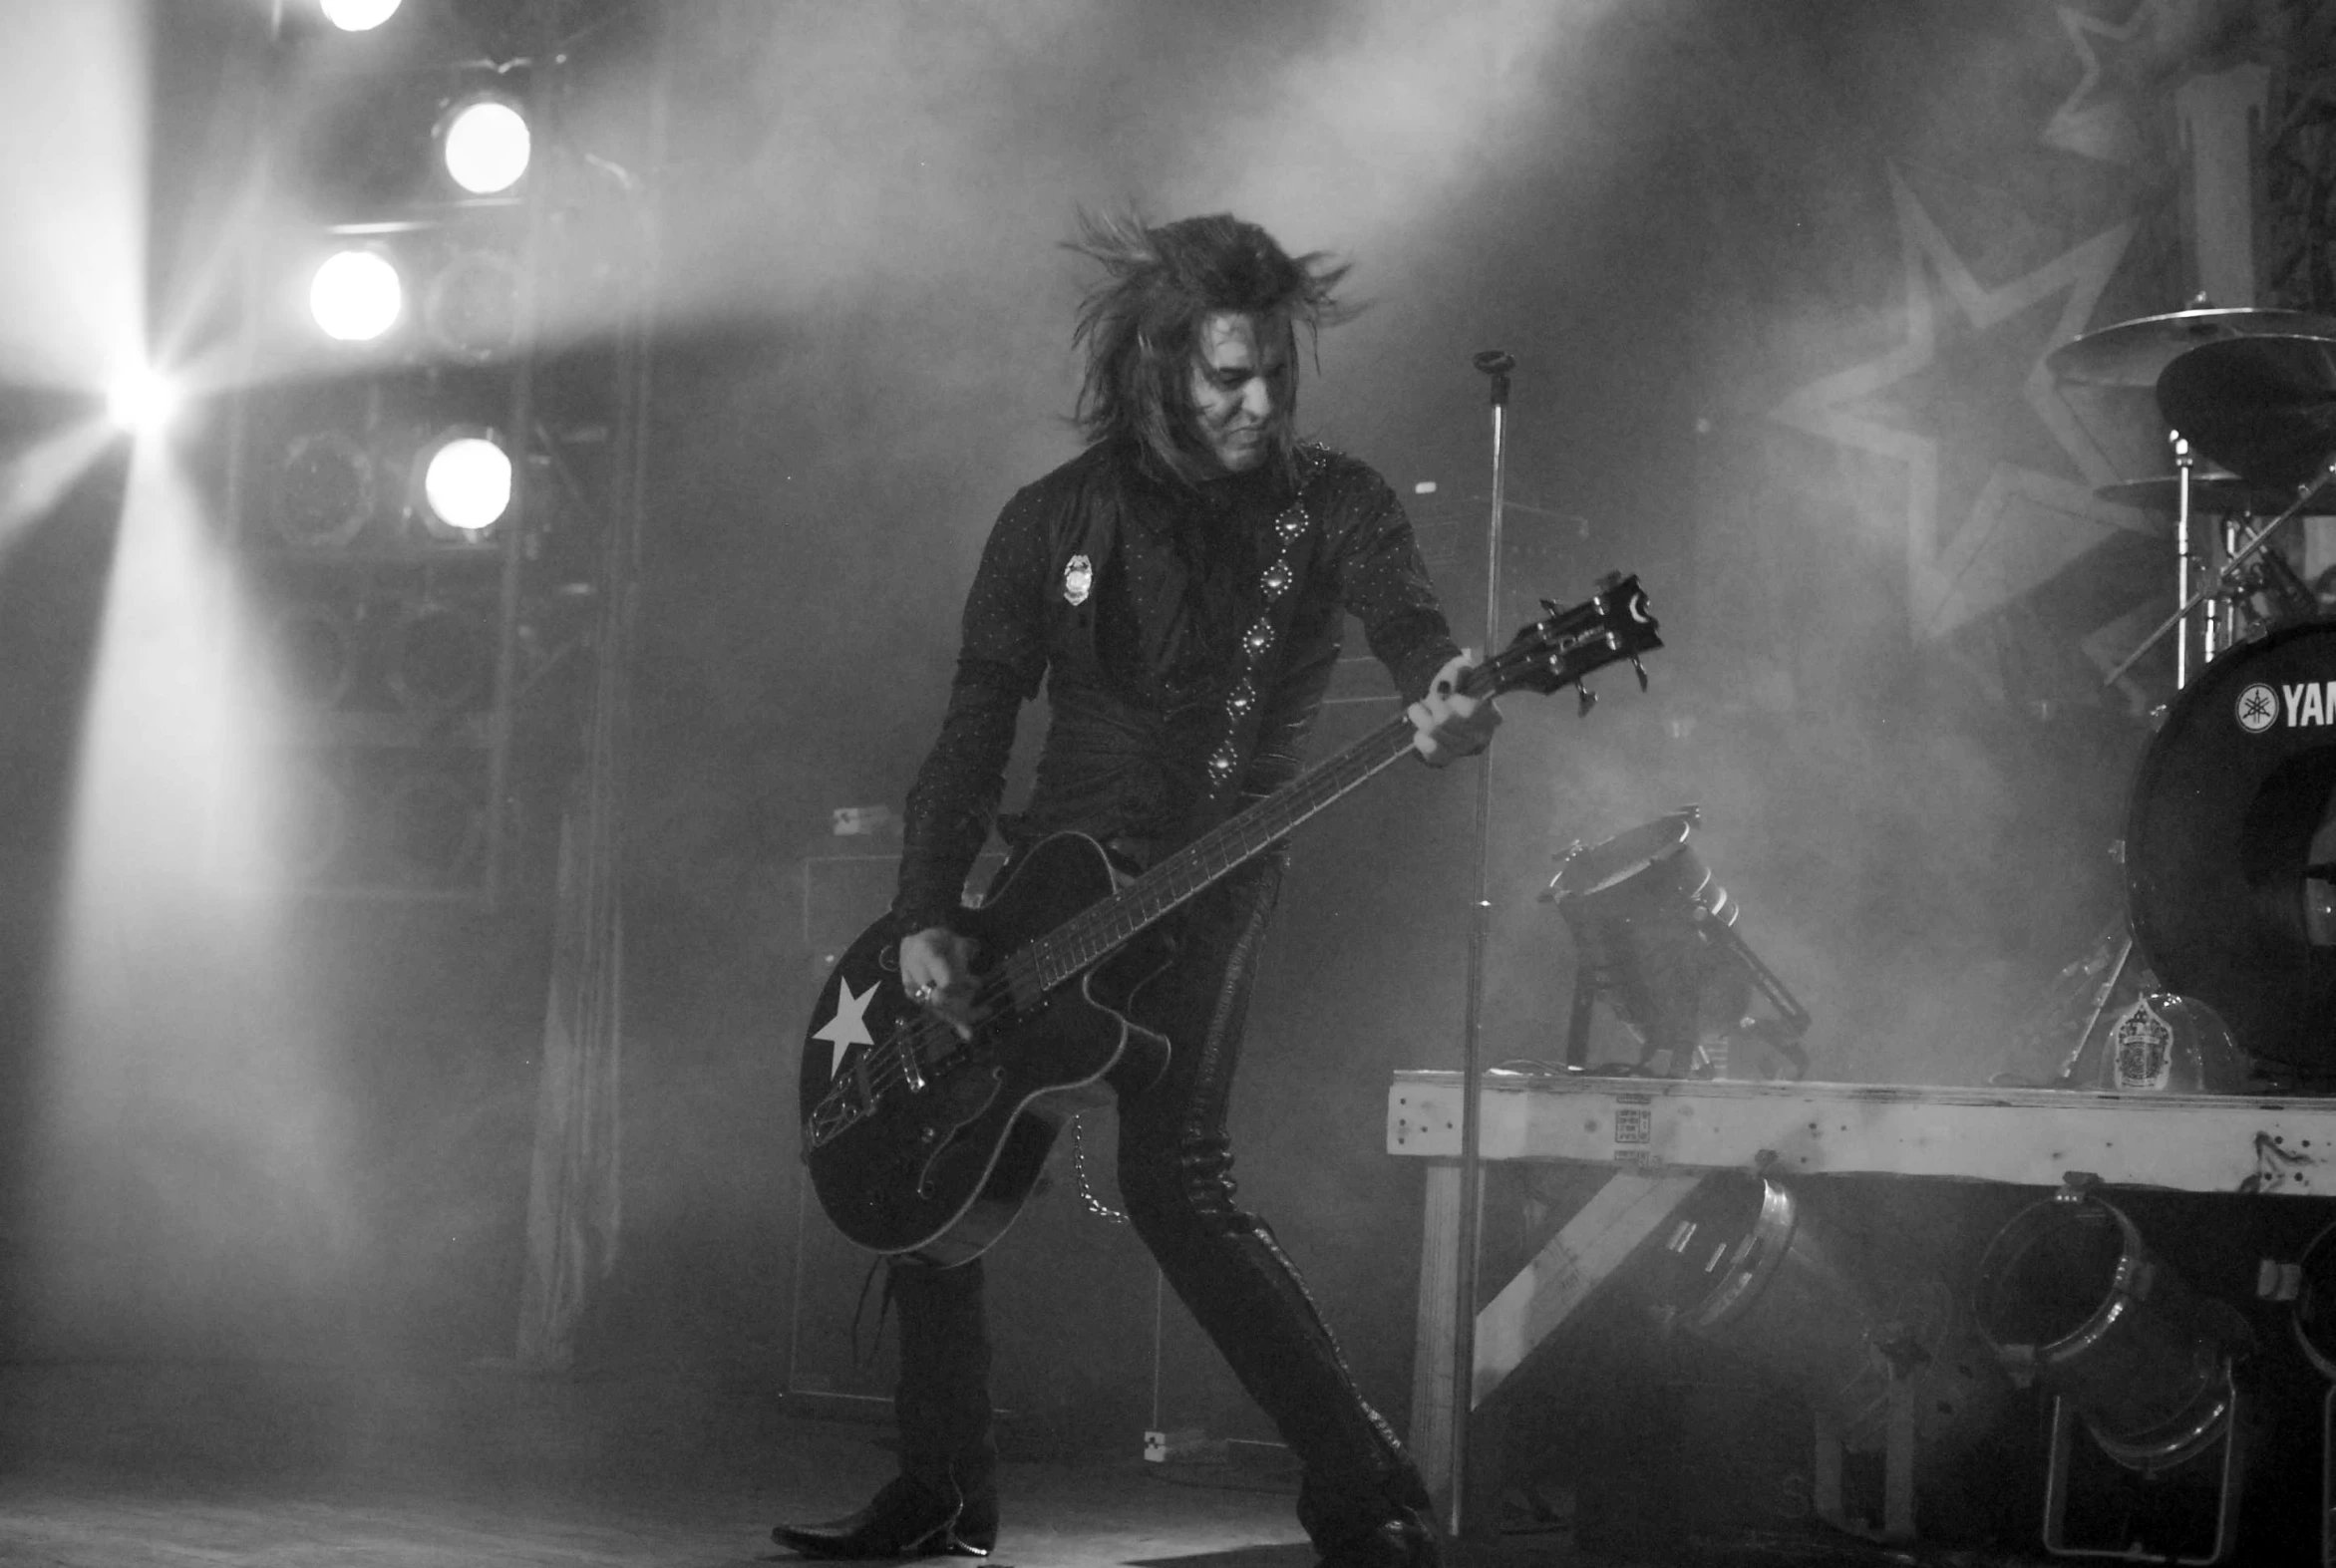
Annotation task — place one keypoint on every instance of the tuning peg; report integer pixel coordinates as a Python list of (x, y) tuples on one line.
[(1548, 606), (1590, 700), (1641, 669)]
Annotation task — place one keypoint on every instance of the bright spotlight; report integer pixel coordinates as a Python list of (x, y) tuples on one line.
[(485, 145), (356, 296), (357, 16), (467, 480), (141, 402)]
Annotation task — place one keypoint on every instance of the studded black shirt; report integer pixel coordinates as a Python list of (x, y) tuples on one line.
[(1138, 691)]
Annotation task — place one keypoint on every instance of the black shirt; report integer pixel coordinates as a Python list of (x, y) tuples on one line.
[(1138, 655)]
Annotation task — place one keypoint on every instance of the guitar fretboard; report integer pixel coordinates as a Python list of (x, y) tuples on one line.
[(1103, 927), (1551, 653)]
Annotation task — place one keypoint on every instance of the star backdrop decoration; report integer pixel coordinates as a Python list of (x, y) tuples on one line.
[(2089, 123), (2023, 524)]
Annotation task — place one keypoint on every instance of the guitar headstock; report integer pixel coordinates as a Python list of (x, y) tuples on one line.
[(1610, 626)]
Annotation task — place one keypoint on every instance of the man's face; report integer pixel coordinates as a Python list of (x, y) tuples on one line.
[(1238, 387)]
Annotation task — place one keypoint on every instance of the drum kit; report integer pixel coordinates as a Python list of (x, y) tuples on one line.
[(2230, 848), (2230, 835)]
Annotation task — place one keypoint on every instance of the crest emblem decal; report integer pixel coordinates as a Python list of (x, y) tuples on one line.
[(2142, 1049), (1078, 580)]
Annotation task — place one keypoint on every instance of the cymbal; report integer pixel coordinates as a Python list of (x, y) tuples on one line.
[(2263, 407), (2219, 495), (2135, 353)]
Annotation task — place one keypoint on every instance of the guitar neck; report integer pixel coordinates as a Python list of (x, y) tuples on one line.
[(1103, 927), (1611, 625)]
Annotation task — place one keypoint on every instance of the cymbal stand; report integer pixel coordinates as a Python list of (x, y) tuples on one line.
[(2123, 956), (2186, 554), (2305, 494)]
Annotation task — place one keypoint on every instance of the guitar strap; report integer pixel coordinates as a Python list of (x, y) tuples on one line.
[(1244, 700), (1087, 531)]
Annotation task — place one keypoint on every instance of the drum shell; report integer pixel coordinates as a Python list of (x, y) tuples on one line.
[(2218, 830)]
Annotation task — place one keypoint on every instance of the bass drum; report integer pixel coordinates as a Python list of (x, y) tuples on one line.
[(2230, 840)]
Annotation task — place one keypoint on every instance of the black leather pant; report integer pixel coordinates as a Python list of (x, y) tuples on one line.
[(1176, 1178)]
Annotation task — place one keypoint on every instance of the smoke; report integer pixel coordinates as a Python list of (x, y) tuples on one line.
[(905, 143), (74, 192)]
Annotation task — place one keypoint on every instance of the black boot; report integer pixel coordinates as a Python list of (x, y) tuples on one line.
[(906, 1519), (1396, 1543), (1386, 1528), (944, 1501)]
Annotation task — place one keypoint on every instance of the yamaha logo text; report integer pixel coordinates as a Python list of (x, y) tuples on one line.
[(2262, 707)]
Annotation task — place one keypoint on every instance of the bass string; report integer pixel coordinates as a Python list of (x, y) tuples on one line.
[(1091, 934)]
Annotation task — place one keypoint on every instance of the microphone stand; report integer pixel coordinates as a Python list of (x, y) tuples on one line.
[(1495, 364)]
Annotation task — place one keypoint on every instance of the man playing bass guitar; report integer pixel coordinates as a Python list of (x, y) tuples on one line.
[(1180, 588)]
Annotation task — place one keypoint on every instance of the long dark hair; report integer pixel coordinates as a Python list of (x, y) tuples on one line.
[(1141, 324)]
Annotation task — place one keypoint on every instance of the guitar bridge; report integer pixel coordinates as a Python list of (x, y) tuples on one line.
[(828, 1120)]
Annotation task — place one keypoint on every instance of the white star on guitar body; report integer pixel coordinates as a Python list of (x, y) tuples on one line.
[(848, 1026)]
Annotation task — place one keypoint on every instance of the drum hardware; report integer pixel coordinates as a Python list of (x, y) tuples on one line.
[(2217, 494), (2262, 405), (1657, 940), (2254, 390), (2268, 592), (2233, 572), (2077, 999)]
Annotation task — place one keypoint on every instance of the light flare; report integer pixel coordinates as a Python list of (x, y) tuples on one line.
[(185, 1102), (142, 400)]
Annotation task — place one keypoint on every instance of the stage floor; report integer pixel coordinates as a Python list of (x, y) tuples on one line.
[(122, 1466), (114, 1465)]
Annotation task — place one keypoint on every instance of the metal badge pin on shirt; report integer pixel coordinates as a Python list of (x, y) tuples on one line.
[(1077, 580)]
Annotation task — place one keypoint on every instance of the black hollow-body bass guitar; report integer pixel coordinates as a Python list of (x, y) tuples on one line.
[(922, 1142)]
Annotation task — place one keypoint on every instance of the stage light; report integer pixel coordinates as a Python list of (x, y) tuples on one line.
[(356, 295), (2310, 1283), (465, 481), (2075, 1302), (472, 306), (325, 491), (315, 656), (1747, 1266), (1887, 1363), (309, 823), (357, 16), (141, 402), (485, 145), (1656, 937), (434, 824), (442, 657)]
